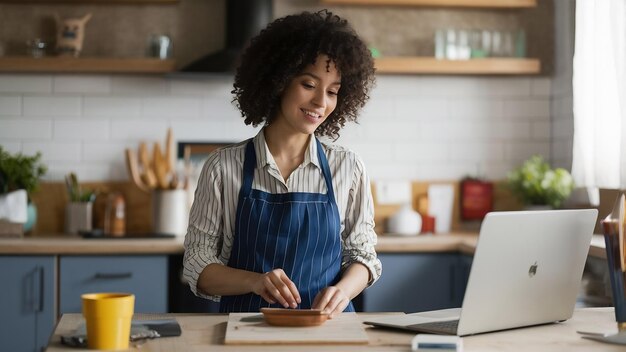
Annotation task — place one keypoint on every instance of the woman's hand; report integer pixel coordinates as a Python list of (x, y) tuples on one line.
[(331, 300), (275, 286)]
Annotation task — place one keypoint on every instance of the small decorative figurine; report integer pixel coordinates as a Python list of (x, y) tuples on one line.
[(70, 35)]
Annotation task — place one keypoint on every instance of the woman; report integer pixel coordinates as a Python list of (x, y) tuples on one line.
[(283, 220)]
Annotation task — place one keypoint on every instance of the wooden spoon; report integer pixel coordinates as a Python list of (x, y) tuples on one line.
[(169, 150), (147, 174), (160, 168), (133, 169)]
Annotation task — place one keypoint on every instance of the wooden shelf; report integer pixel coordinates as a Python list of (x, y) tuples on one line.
[(85, 65), (439, 3), (430, 65)]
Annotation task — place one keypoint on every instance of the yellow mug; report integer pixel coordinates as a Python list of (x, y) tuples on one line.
[(108, 317)]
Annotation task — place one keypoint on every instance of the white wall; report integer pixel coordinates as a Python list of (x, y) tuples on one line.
[(562, 91), (415, 127)]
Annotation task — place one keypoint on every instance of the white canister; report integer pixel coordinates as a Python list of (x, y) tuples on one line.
[(406, 222), (170, 211), (78, 217)]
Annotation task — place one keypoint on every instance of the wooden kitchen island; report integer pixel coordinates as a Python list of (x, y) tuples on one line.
[(205, 332)]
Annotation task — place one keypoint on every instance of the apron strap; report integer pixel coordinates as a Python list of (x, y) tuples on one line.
[(248, 169), (325, 170), (250, 163)]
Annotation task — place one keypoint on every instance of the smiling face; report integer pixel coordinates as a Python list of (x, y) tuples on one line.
[(309, 98)]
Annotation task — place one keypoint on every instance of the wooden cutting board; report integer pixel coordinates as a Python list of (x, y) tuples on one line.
[(251, 329)]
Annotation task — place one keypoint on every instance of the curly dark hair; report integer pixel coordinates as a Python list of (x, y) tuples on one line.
[(284, 48)]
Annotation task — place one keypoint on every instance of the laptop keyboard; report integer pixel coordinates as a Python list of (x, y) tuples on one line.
[(448, 327)]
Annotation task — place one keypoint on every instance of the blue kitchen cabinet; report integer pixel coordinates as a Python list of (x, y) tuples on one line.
[(26, 302), (414, 282), (144, 276), (465, 265)]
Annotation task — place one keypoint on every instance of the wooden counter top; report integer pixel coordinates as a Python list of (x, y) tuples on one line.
[(205, 332), (458, 242), (76, 245)]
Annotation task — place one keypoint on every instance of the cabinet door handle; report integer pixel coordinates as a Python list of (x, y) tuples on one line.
[(38, 287), (110, 276)]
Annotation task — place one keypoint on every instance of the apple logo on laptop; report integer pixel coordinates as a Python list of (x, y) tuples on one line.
[(533, 270)]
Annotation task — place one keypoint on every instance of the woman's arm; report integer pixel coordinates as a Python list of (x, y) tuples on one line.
[(360, 263), (334, 299), (274, 286)]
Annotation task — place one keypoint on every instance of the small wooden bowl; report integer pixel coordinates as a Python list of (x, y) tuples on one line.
[(294, 317)]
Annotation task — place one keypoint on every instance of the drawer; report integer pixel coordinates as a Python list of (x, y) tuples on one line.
[(143, 276)]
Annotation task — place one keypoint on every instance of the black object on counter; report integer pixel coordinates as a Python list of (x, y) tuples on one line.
[(99, 234)]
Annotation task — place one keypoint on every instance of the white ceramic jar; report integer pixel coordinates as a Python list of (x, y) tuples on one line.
[(405, 222)]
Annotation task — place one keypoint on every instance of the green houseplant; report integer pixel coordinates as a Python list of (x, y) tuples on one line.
[(536, 183), (21, 172)]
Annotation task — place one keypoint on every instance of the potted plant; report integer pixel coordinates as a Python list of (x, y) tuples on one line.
[(535, 183), (21, 172)]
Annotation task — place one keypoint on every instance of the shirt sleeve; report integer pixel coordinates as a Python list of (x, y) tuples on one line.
[(359, 237), (204, 238)]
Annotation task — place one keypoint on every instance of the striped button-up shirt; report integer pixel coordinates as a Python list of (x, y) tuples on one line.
[(211, 228)]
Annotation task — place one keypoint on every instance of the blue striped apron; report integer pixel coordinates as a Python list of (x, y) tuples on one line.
[(297, 232)]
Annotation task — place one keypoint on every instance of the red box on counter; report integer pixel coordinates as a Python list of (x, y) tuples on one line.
[(476, 199)]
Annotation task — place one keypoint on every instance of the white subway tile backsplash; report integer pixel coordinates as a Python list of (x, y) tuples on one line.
[(87, 130), (221, 109), (476, 108), (507, 131), (25, 83), (54, 151), (413, 127), (118, 171), (16, 129), (562, 128), (414, 152), (563, 105), (171, 107), (497, 171), (139, 84), (112, 106), (520, 151), (52, 106), (541, 86), (148, 130), (527, 108), (109, 152), (372, 152), (464, 130), (541, 130), (11, 146), (81, 84), (84, 172), (213, 131), (444, 170), (476, 151), (10, 105), (562, 153), (380, 130), (381, 108), (391, 170), (214, 86), (444, 86), (422, 109), (353, 132)]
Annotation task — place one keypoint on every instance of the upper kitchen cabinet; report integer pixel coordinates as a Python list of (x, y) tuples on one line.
[(406, 32), (117, 36)]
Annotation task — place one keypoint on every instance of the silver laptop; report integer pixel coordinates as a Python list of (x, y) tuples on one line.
[(527, 270)]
